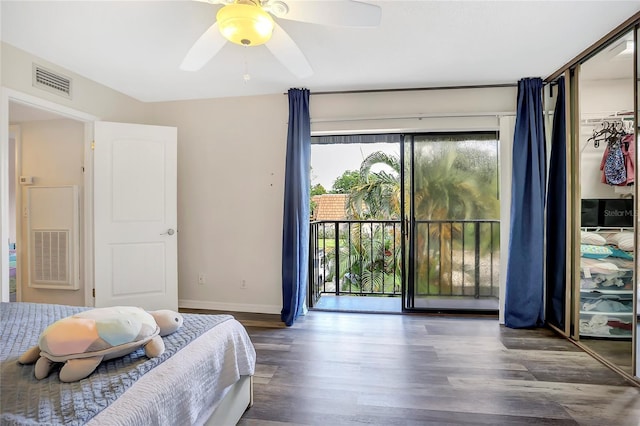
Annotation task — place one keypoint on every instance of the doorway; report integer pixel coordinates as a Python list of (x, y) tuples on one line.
[(121, 177), (418, 225), (46, 157), (356, 237), (27, 108)]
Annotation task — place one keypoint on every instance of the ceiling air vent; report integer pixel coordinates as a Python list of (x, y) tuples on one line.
[(50, 81)]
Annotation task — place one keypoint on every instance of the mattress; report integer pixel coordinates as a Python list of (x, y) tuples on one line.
[(202, 359)]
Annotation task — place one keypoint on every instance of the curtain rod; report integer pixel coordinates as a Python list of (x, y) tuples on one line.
[(626, 26), (412, 89), (415, 116)]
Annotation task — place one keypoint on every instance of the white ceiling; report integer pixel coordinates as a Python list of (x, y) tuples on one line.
[(136, 47)]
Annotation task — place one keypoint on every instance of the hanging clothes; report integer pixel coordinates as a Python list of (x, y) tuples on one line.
[(628, 147), (618, 161), (613, 167)]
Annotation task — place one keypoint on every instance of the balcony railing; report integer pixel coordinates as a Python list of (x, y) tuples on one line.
[(456, 258), (364, 258)]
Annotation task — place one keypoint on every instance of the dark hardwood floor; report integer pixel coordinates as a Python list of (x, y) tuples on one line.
[(353, 369)]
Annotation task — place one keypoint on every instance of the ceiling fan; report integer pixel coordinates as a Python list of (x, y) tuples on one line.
[(250, 23)]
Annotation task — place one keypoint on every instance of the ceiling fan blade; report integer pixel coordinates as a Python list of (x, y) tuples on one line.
[(203, 49), (288, 53), (215, 1), (343, 13)]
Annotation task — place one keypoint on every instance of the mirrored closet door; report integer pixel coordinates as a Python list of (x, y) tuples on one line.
[(606, 142), (636, 337)]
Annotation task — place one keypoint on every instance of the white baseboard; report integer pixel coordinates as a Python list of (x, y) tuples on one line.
[(233, 307)]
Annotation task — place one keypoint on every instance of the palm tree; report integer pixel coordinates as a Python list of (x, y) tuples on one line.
[(377, 194), (370, 260), (445, 190), (448, 186)]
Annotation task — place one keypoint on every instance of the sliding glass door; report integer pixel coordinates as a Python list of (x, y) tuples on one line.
[(413, 215), (451, 214)]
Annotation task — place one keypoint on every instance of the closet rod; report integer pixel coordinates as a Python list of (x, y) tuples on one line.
[(412, 89), (604, 120), (613, 116)]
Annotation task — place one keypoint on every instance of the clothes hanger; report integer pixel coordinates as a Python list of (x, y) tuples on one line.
[(610, 132)]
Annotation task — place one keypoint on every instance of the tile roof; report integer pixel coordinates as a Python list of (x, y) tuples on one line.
[(330, 207)]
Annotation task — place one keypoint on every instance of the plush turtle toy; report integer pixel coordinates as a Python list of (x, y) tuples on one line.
[(82, 341)]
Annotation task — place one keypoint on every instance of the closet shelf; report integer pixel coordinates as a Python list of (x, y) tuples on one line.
[(604, 320), (595, 292), (611, 315), (608, 336)]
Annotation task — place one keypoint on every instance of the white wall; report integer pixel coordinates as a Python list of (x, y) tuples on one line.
[(52, 153), (443, 110), (600, 98), (231, 160), (87, 95)]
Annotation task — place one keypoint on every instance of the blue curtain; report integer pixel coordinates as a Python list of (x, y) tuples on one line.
[(524, 306), (295, 233), (556, 215)]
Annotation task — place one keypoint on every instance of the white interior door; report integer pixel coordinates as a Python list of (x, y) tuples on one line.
[(135, 246)]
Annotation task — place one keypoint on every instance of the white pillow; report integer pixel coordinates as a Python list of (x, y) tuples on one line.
[(592, 238), (596, 266), (620, 263), (624, 240)]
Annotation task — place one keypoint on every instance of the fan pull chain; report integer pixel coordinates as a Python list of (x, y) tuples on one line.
[(246, 76)]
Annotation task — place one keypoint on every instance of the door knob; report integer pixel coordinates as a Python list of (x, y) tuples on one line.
[(169, 232)]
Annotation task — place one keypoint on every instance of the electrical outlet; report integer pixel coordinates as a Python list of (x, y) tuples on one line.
[(243, 284), (202, 278)]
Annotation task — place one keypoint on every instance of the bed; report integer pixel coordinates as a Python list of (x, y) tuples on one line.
[(204, 376)]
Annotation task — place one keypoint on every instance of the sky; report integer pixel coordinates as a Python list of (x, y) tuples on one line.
[(328, 162)]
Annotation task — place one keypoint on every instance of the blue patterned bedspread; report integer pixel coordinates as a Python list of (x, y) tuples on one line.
[(24, 400)]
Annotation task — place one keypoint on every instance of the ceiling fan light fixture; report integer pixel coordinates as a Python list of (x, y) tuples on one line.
[(245, 24)]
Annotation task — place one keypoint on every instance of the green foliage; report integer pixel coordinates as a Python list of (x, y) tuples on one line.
[(448, 187), (370, 260), (451, 183), (377, 195), (346, 182), (452, 180), (318, 189)]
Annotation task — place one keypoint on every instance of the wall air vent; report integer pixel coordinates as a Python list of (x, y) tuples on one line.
[(51, 82), (50, 256)]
